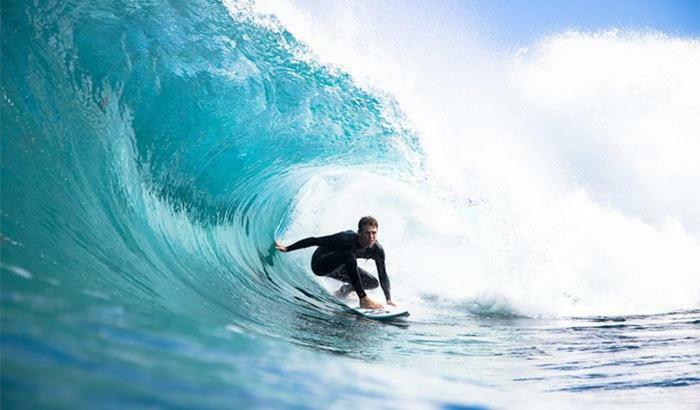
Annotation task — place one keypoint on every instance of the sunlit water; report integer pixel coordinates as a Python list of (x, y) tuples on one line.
[(152, 152)]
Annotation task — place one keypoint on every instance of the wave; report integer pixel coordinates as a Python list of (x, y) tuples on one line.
[(153, 151)]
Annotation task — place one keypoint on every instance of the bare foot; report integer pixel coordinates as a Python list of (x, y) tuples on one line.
[(367, 303)]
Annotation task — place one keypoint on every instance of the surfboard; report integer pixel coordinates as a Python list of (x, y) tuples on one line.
[(385, 313)]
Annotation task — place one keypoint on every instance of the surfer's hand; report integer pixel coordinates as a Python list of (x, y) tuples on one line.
[(367, 303), (280, 247), (389, 302)]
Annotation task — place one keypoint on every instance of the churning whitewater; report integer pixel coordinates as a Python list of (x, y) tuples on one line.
[(538, 211)]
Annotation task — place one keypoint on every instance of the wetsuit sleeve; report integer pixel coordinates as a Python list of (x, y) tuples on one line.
[(330, 241), (381, 271), (304, 243)]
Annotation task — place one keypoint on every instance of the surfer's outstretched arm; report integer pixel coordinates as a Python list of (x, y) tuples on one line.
[(304, 243), (328, 241)]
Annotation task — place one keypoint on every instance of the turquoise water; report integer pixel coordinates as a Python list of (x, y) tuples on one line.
[(151, 153)]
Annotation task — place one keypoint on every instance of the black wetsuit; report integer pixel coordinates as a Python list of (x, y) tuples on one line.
[(336, 257)]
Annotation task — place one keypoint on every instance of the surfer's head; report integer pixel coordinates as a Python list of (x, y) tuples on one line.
[(367, 231)]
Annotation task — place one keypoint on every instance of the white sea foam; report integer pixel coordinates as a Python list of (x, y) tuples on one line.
[(562, 177)]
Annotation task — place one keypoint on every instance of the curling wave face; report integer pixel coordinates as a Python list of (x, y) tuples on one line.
[(152, 151)]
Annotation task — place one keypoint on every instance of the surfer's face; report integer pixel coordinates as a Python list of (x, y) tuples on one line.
[(368, 236)]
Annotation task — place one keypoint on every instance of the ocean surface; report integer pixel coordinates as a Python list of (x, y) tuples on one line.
[(152, 151)]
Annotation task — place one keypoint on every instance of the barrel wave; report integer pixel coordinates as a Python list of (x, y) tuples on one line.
[(150, 154), (152, 151)]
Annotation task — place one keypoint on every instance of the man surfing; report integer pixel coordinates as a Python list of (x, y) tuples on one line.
[(336, 257)]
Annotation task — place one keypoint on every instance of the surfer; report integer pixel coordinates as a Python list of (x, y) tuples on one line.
[(336, 257)]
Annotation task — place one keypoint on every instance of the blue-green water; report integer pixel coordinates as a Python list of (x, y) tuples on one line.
[(151, 153)]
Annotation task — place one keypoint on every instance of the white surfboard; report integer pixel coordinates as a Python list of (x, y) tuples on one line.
[(384, 313)]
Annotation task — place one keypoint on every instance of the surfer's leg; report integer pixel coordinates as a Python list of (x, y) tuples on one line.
[(368, 281), (341, 266)]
